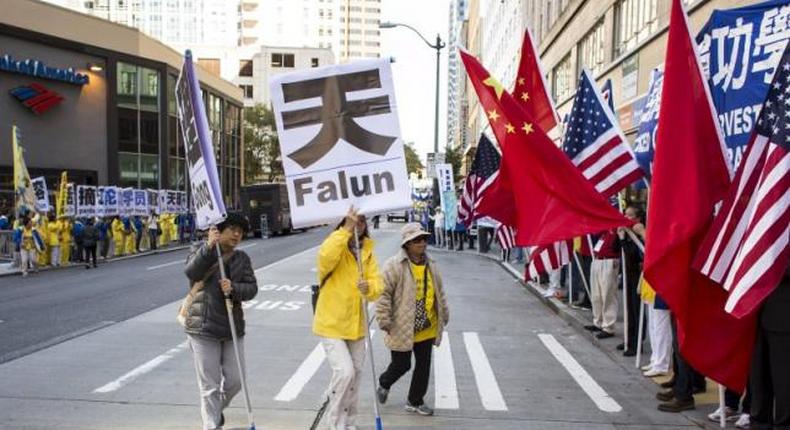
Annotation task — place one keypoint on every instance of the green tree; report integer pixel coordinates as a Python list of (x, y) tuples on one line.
[(454, 157), (413, 163), (261, 145)]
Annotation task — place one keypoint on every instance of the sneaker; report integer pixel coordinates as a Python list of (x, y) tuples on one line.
[(422, 409), (646, 367), (665, 396), (592, 328), (729, 415), (744, 422), (652, 373), (550, 292), (604, 335), (382, 394)]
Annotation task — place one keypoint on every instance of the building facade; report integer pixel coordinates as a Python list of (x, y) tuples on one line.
[(115, 125), (455, 71)]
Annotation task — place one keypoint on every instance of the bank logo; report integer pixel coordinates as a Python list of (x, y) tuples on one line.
[(37, 97), (336, 114)]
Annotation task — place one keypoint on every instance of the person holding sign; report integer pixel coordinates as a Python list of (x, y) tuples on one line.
[(339, 318), (412, 312), (206, 319)]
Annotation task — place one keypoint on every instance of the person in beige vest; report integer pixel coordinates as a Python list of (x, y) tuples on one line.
[(412, 311)]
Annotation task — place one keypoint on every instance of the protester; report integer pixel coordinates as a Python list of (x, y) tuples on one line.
[(603, 274), (139, 229), (28, 240), (459, 235), (76, 233), (128, 236), (104, 237), (632, 272), (412, 311), (53, 240), (770, 375), (580, 279), (206, 321), (41, 223), (153, 229), (438, 228), (660, 334), (117, 229), (686, 381), (65, 240), (90, 237), (339, 318)]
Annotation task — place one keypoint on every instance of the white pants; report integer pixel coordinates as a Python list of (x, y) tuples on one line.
[(54, 255), (554, 278), (438, 232), (660, 331), (217, 374), (346, 358), (28, 258), (603, 274)]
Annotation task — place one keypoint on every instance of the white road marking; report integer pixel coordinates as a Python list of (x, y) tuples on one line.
[(302, 376), (141, 370), (278, 262), (247, 246), (444, 375), (487, 385), (597, 394), (159, 266)]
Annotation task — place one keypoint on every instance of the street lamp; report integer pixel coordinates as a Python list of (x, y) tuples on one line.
[(438, 47)]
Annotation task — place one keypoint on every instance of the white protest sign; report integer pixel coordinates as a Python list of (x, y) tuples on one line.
[(140, 203), (153, 201), (71, 200), (340, 141), (126, 201), (42, 196), (86, 200)]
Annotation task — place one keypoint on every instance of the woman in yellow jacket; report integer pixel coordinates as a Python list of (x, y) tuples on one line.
[(53, 241), (65, 240), (42, 225), (339, 319), (117, 236)]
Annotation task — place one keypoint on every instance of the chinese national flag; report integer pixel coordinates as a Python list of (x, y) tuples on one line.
[(538, 191), (690, 176), (530, 89)]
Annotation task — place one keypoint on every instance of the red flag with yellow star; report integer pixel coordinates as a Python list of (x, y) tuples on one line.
[(530, 90), (538, 191)]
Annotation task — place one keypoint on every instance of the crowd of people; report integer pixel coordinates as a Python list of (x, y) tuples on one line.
[(35, 240)]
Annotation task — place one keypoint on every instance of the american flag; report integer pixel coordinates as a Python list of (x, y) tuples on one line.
[(506, 236), (484, 170), (544, 259), (746, 249), (595, 143)]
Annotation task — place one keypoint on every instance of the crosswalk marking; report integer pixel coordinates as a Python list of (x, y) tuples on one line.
[(487, 385), (601, 399), (304, 373), (446, 396), (141, 370)]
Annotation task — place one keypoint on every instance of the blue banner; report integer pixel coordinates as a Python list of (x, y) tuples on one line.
[(740, 49), (645, 141)]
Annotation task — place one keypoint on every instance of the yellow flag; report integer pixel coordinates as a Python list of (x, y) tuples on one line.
[(60, 202), (23, 189), (648, 293)]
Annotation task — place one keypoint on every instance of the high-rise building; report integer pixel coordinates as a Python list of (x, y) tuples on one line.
[(176, 23), (455, 74), (350, 28)]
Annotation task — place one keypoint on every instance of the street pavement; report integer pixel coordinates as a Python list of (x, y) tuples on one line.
[(507, 362)]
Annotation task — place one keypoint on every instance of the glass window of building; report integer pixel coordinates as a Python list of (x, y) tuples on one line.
[(561, 79), (635, 21), (176, 165), (314, 62), (591, 50), (138, 126), (245, 68), (288, 60)]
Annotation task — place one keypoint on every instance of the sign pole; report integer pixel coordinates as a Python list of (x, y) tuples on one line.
[(229, 307), (368, 344)]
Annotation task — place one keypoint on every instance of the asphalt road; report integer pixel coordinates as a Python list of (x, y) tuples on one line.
[(507, 362), (50, 307)]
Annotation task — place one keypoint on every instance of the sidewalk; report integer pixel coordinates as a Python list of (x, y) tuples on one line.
[(7, 270), (705, 402)]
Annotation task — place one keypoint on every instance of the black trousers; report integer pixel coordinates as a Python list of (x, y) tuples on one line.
[(401, 363), (576, 280), (632, 303), (686, 378), (90, 252), (770, 381), (152, 234), (733, 400)]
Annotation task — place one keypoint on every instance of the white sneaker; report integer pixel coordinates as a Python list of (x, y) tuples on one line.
[(729, 414), (652, 373), (646, 367), (743, 422), (550, 292)]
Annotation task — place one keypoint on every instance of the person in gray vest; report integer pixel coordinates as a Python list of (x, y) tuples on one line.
[(206, 321)]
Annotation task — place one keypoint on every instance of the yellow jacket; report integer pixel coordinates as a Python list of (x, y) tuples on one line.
[(54, 228), (117, 229), (338, 313), (65, 232)]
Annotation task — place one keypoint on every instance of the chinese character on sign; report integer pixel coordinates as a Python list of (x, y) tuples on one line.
[(336, 114), (771, 41)]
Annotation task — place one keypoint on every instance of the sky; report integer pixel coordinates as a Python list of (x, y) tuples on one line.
[(414, 70)]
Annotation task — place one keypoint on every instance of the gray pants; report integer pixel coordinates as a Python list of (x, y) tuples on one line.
[(217, 375), (346, 358)]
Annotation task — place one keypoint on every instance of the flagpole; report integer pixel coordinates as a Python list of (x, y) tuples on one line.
[(625, 301), (229, 307), (581, 274), (641, 331), (722, 415), (368, 343)]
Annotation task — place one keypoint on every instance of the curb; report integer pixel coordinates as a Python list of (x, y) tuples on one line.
[(111, 260), (577, 322)]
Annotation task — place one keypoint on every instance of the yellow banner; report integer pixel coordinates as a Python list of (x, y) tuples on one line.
[(25, 198), (60, 202)]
